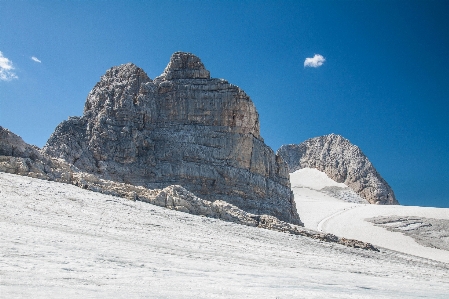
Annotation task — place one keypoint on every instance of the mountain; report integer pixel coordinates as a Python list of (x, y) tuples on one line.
[(182, 128), (18, 157), (343, 162)]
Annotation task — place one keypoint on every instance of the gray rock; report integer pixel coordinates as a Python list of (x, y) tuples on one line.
[(341, 161), (428, 232), (18, 157), (182, 128), (13, 145)]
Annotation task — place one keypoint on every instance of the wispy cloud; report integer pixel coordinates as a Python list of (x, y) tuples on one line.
[(315, 61), (34, 58), (6, 69)]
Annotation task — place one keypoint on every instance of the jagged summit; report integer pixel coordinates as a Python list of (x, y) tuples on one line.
[(120, 85), (343, 162), (184, 65), (125, 73), (124, 70), (182, 128)]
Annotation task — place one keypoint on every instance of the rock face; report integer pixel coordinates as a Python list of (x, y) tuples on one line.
[(13, 145), (182, 128), (341, 161), (18, 157)]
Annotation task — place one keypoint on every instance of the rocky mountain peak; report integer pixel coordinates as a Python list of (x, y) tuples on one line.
[(184, 65), (127, 74), (182, 128), (343, 162), (120, 86)]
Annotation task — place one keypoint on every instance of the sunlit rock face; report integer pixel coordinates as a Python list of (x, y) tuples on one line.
[(181, 128), (343, 162)]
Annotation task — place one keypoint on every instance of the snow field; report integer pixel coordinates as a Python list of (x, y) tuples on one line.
[(59, 241), (322, 212)]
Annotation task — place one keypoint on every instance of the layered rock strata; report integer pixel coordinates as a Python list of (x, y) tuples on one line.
[(341, 161), (182, 128), (18, 157)]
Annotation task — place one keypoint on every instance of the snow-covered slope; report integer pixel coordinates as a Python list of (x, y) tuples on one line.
[(320, 210), (59, 241)]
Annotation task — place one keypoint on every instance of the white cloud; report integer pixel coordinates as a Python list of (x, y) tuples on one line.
[(316, 61), (6, 69), (34, 58)]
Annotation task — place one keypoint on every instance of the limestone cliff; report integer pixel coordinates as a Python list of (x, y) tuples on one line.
[(181, 128), (343, 162)]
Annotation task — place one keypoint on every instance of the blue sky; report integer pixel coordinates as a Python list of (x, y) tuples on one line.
[(384, 84)]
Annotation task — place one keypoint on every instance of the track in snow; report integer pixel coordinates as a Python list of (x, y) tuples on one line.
[(325, 220)]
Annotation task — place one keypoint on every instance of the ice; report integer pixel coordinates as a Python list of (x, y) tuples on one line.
[(329, 214), (59, 241)]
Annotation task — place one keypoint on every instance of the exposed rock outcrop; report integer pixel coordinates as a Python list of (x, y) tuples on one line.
[(429, 232), (182, 128), (18, 157), (341, 161)]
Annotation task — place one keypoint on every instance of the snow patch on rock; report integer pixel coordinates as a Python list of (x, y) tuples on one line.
[(316, 180)]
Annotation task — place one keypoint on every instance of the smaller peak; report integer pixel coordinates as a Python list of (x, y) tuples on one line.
[(333, 135), (13, 145), (125, 68), (185, 65), (126, 71)]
